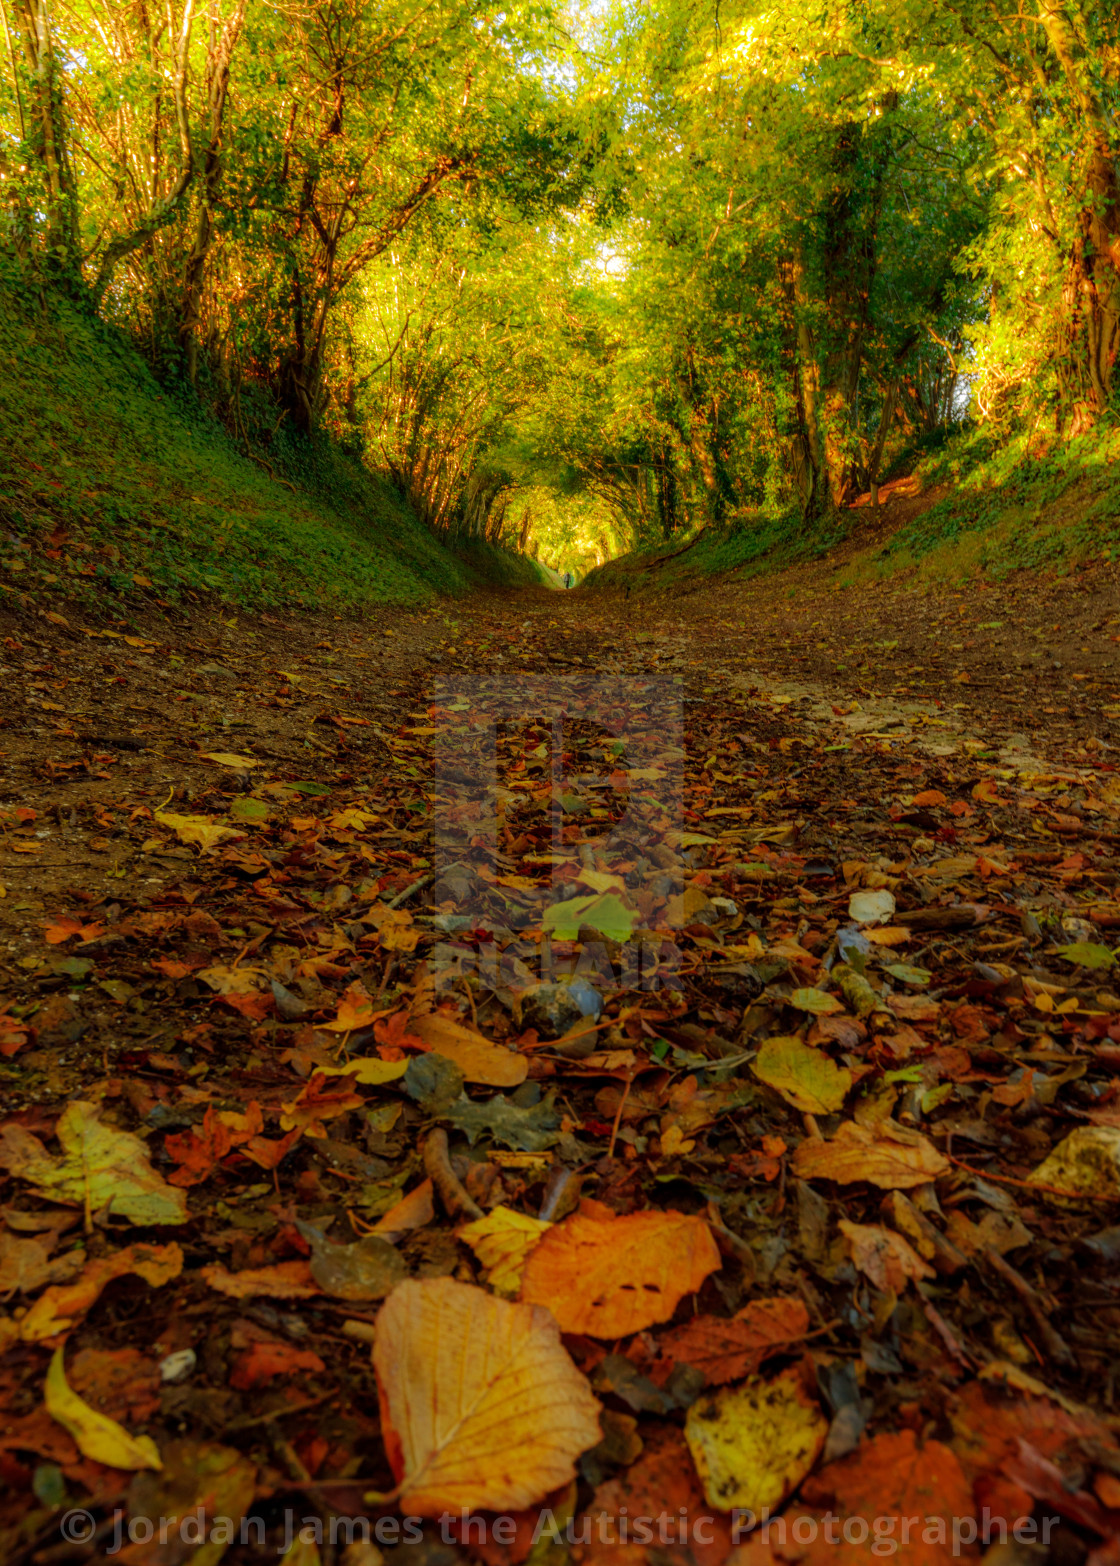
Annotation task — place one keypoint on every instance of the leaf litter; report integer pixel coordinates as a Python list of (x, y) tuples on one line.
[(815, 1207)]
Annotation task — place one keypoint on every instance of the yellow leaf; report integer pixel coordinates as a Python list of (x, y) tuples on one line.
[(600, 881), (806, 1078), (96, 1435), (481, 1407), (819, 1002), (227, 758), (477, 1058), (501, 1241), (100, 1168), (368, 1070), (196, 829), (753, 1444)]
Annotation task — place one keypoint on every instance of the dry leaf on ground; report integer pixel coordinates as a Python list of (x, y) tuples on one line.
[(289, 1280), (806, 1078), (57, 1309), (753, 1444), (481, 1407), (96, 1435), (892, 1477), (855, 1153), (100, 1167), (477, 1058), (607, 1276), (728, 1349), (27, 1264), (883, 1255), (502, 1241)]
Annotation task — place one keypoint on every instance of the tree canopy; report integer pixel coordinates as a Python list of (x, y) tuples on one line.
[(576, 279)]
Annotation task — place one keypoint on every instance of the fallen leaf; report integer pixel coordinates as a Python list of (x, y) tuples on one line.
[(477, 1058), (26, 1265), (100, 1167), (884, 1256), (368, 1269), (201, 830), (413, 1211), (806, 1078), (871, 907), (660, 1485), (819, 1002), (754, 1444), (855, 1153), (226, 758), (1087, 954), (481, 1408), (1086, 1163), (604, 911), (96, 1435), (195, 1474), (289, 1280), (608, 1276), (262, 1363), (727, 1349), (58, 1309), (369, 1070), (892, 1477), (502, 1241)]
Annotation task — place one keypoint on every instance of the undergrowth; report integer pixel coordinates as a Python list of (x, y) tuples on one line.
[(111, 483)]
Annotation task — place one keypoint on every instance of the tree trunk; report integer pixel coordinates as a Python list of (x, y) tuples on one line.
[(219, 55), (1090, 332), (47, 135)]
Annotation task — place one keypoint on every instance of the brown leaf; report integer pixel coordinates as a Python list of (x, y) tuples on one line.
[(855, 1153), (290, 1280), (26, 1264), (728, 1350), (884, 1256)]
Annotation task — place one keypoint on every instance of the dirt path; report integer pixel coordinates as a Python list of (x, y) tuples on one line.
[(752, 910)]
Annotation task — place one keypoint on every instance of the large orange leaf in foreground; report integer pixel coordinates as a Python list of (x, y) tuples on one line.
[(481, 1408), (610, 1276)]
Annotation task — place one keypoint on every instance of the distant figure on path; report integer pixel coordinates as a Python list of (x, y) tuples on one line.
[(568, 579)]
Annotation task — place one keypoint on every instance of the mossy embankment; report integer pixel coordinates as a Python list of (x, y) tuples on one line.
[(117, 487), (975, 507)]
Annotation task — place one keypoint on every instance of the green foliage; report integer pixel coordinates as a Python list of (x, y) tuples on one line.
[(118, 480)]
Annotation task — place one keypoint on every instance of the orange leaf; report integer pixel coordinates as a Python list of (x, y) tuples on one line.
[(411, 1212), (65, 928), (892, 1476), (481, 1408), (290, 1280), (58, 1307), (856, 1154), (355, 1010), (729, 1350), (661, 1485), (609, 1276), (928, 797), (262, 1363), (477, 1058)]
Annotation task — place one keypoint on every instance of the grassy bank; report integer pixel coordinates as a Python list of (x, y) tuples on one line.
[(974, 506), (113, 484)]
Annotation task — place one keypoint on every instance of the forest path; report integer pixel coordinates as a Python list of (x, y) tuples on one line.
[(845, 982)]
